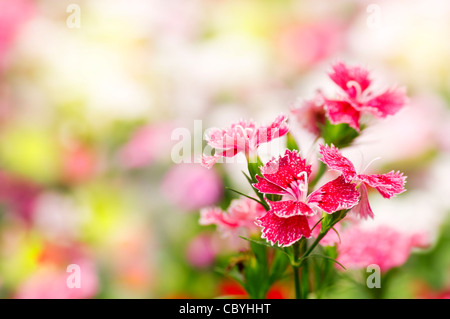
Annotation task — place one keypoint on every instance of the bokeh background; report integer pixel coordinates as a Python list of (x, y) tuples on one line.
[(91, 92)]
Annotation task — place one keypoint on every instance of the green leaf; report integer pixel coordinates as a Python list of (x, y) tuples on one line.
[(233, 273), (316, 224), (337, 233), (291, 144), (264, 243), (326, 257), (252, 198), (278, 267), (248, 178)]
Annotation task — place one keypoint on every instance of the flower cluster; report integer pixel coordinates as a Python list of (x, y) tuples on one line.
[(295, 210)]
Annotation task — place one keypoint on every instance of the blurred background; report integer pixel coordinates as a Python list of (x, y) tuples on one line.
[(92, 91)]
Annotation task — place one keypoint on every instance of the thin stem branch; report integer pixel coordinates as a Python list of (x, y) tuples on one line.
[(297, 280)]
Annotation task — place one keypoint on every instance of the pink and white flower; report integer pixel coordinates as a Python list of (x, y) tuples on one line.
[(241, 215), (382, 246), (243, 136), (357, 97), (287, 220), (388, 185)]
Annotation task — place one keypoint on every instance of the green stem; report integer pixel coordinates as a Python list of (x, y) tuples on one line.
[(298, 288), (323, 232)]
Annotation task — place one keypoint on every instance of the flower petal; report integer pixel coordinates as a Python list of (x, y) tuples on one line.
[(335, 195), (311, 114), (289, 208), (286, 169), (209, 161), (387, 103), (285, 231), (335, 161), (363, 209), (266, 187), (388, 185), (215, 216), (277, 129), (340, 112), (343, 74)]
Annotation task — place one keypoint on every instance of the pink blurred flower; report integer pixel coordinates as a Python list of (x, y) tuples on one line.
[(147, 144), (51, 278), (51, 283), (191, 187), (201, 251), (243, 136), (357, 98), (19, 195), (388, 185), (241, 215), (307, 44), (311, 114), (13, 14), (79, 163), (382, 246), (286, 221)]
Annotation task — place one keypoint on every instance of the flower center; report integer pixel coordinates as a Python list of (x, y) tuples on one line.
[(299, 188), (355, 85)]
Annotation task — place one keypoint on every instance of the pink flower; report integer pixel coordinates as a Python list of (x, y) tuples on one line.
[(13, 15), (311, 114), (147, 144), (243, 136), (241, 214), (286, 221), (307, 44), (388, 185), (19, 195), (382, 246), (52, 279), (358, 98), (51, 283), (78, 163), (191, 187), (201, 251)]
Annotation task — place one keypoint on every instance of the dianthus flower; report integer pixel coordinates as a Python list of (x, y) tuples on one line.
[(388, 185), (287, 220), (243, 136), (241, 214), (357, 97), (383, 246)]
